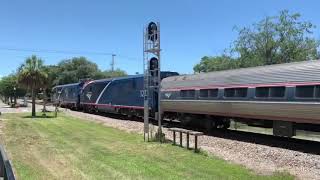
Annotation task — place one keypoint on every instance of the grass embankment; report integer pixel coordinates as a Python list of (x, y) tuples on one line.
[(69, 148)]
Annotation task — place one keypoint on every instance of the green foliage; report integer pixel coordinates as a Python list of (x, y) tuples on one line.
[(77, 68), (273, 40), (217, 63), (72, 70), (115, 73), (52, 71), (7, 85), (32, 76)]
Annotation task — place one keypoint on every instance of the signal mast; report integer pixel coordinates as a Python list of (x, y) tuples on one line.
[(151, 69)]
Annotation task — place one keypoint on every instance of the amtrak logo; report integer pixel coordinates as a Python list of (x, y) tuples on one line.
[(168, 95), (142, 93), (89, 94)]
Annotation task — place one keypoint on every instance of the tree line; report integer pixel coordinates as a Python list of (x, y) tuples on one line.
[(33, 76), (273, 40)]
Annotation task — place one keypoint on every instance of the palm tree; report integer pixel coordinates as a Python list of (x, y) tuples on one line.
[(32, 76)]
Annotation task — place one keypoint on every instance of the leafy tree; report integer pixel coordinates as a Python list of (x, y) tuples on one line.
[(72, 70), (7, 86), (52, 72), (31, 75), (115, 73), (273, 40), (217, 63)]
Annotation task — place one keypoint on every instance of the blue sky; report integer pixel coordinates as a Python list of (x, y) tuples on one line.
[(190, 29)]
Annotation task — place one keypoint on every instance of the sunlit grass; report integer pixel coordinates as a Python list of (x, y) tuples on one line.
[(69, 148)]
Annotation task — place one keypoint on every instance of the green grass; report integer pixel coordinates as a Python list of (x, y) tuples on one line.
[(69, 148)]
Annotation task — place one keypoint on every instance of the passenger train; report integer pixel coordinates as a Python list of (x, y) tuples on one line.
[(286, 95), (122, 95)]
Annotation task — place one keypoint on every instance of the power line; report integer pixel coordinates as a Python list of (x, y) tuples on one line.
[(65, 52), (54, 51)]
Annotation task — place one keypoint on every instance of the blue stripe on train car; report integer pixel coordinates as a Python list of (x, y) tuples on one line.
[(122, 93), (92, 90)]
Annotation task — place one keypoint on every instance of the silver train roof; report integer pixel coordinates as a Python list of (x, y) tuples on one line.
[(304, 71)]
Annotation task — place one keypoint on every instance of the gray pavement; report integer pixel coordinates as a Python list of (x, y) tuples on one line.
[(5, 108)]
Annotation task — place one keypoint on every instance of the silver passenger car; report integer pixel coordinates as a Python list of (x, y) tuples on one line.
[(284, 92)]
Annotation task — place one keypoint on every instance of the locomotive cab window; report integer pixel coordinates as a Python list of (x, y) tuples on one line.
[(187, 93)]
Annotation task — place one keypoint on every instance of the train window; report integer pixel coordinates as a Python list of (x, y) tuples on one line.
[(262, 92), (187, 93), (277, 92), (241, 92), (305, 91), (236, 92), (208, 93), (317, 91), (204, 92), (229, 92), (213, 92)]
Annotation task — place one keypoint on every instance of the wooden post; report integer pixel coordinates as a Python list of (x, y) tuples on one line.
[(195, 143), (181, 139), (174, 137), (187, 140)]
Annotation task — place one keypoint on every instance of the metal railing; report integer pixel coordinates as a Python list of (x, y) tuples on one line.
[(6, 171)]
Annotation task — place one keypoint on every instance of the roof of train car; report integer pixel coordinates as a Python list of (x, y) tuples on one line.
[(128, 77), (97, 81), (101, 80), (304, 71), (141, 75), (66, 85), (110, 79), (113, 79)]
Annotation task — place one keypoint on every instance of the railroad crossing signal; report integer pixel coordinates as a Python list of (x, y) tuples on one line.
[(151, 67)]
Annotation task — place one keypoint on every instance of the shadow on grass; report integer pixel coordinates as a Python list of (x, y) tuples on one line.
[(39, 117), (199, 151)]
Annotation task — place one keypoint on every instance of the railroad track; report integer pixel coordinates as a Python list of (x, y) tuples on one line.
[(301, 145)]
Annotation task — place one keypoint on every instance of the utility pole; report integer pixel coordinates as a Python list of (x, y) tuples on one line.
[(112, 63)]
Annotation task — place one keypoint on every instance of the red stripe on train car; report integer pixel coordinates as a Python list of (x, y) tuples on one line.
[(290, 84)]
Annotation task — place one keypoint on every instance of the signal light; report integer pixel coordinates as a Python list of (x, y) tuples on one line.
[(152, 31), (153, 65)]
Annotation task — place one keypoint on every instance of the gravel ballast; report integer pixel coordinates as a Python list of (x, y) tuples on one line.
[(260, 158)]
